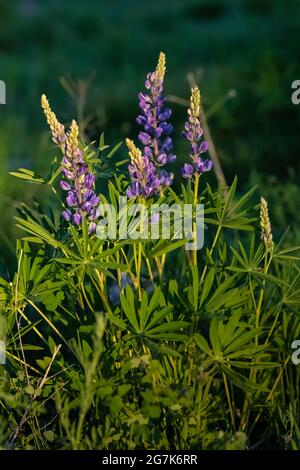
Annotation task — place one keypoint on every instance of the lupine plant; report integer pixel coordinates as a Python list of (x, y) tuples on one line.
[(136, 343)]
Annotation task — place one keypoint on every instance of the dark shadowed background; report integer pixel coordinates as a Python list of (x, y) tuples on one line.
[(91, 57)]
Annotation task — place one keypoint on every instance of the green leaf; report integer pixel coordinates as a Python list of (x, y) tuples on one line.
[(242, 340), (170, 326), (116, 321), (127, 303), (208, 282), (214, 336), (49, 435), (114, 150), (166, 246), (242, 381), (202, 344), (27, 175)]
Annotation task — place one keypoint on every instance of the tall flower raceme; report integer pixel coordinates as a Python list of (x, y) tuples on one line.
[(145, 181), (59, 135), (265, 224), (193, 132), (155, 137), (78, 181)]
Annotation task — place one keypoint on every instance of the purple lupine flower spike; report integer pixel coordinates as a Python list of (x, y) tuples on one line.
[(193, 132), (79, 183), (144, 179), (155, 137), (81, 200)]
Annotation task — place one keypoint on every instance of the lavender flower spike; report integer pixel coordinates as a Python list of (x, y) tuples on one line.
[(155, 137), (193, 133), (79, 183), (82, 200), (144, 180)]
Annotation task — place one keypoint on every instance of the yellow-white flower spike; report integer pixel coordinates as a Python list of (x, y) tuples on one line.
[(195, 101), (265, 224), (161, 66), (57, 129), (134, 152), (73, 135)]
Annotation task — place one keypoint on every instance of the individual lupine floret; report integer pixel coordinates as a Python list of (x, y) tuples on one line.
[(265, 224), (155, 137), (193, 132), (81, 200), (144, 180)]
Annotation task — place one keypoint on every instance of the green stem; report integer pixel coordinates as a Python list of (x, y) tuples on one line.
[(229, 401), (258, 308), (273, 326), (139, 265), (196, 190), (271, 392), (138, 256), (149, 268), (211, 251), (128, 264), (261, 296)]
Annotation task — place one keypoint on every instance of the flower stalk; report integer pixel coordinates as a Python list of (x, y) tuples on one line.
[(79, 183)]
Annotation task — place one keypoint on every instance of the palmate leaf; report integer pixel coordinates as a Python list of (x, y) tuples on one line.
[(170, 326), (226, 296), (114, 150), (27, 175), (243, 339), (269, 277), (231, 340), (35, 277), (229, 214), (127, 303), (161, 349), (116, 320), (289, 291), (174, 292), (39, 232), (219, 292), (248, 263), (231, 326), (168, 336), (203, 344), (165, 246), (285, 255), (145, 310), (241, 381), (207, 285), (157, 317), (147, 319), (224, 361), (214, 336), (14, 337), (254, 365), (5, 292)]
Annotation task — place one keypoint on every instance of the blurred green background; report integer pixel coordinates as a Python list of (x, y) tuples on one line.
[(91, 57)]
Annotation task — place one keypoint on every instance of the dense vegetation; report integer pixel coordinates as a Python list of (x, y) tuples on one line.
[(125, 344)]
